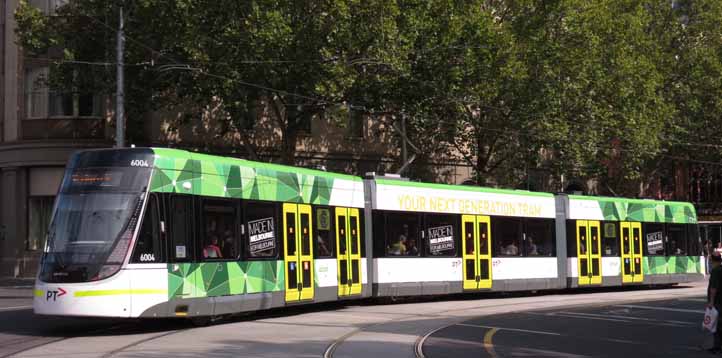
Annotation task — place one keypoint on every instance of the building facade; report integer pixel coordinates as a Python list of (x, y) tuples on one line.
[(40, 129)]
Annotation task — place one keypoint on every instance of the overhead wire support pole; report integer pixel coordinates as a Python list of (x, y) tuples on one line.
[(120, 90)]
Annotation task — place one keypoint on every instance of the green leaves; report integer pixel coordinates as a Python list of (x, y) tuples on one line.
[(613, 91)]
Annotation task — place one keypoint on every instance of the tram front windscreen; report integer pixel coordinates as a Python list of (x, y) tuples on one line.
[(95, 216)]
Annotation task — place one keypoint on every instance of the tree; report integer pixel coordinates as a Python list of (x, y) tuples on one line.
[(301, 58)]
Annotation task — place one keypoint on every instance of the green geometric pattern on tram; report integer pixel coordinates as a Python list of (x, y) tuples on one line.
[(661, 265), (182, 281), (647, 212), (225, 278), (215, 176), (234, 188)]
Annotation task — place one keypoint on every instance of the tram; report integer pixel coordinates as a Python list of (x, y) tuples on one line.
[(155, 232)]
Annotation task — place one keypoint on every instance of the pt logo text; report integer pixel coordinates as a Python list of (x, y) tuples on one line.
[(54, 294)]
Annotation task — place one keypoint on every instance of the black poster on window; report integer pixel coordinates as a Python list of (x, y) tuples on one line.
[(441, 238), (261, 235), (655, 242)]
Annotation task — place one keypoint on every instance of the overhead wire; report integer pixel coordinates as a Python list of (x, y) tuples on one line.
[(178, 65)]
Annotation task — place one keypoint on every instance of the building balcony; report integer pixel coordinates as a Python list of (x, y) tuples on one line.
[(63, 128)]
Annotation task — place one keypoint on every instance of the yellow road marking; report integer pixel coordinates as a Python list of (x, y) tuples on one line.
[(488, 345)]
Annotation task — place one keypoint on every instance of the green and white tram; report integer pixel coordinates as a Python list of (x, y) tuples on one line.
[(149, 232)]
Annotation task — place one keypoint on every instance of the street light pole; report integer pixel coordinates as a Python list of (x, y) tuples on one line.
[(119, 95)]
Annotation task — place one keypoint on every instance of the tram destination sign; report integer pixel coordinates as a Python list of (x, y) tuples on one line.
[(261, 235), (441, 238)]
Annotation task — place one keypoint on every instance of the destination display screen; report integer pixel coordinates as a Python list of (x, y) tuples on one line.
[(109, 179), (97, 177)]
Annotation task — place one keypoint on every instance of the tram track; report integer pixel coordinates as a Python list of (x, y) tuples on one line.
[(146, 340), (49, 340)]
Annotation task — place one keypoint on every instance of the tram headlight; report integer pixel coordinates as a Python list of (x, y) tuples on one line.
[(106, 271)]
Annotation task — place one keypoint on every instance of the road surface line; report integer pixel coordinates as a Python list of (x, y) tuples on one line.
[(15, 308), (488, 345), (692, 299), (508, 329), (573, 315), (683, 323), (662, 309)]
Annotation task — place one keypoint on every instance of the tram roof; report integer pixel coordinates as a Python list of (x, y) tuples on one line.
[(477, 189), (167, 158), (627, 209)]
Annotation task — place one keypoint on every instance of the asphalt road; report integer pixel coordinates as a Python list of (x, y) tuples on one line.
[(521, 324), (670, 328)]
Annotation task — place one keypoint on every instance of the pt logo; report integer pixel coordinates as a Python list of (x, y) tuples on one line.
[(54, 294)]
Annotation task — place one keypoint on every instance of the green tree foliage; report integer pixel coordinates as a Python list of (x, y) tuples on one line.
[(610, 90)]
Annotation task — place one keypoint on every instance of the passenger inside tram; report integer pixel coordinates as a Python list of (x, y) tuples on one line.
[(212, 251), (411, 249), (398, 248), (511, 249), (228, 249)]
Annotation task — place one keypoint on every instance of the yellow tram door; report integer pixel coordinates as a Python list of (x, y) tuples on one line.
[(638, 255), (632, 255), (627, 253), (476, 242), (298, 252), (348, 256), (589, 253), (483, 225)]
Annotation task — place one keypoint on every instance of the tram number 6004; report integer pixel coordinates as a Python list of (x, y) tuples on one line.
[(147, 258), (139, 163)]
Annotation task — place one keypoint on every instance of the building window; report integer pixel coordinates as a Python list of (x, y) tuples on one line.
[(48, 7), (40, 208), (355, 124), (41, 101)]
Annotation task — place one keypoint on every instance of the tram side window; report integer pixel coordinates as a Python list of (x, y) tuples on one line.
[(181, 228), (442, 235), (694, 242), (219, 230), (402, 234), (362, 232), (507, 236), (539, 238), (261, 223), (571, 238), (610, 238), (148, 246), (676, 240), (653, 239), (325, 241), (378, 221)]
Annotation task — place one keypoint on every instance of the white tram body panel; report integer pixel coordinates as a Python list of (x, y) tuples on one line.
[(126, 294), (518, 268)]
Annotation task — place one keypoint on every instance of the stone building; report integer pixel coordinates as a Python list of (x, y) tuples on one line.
[(40, 129)]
